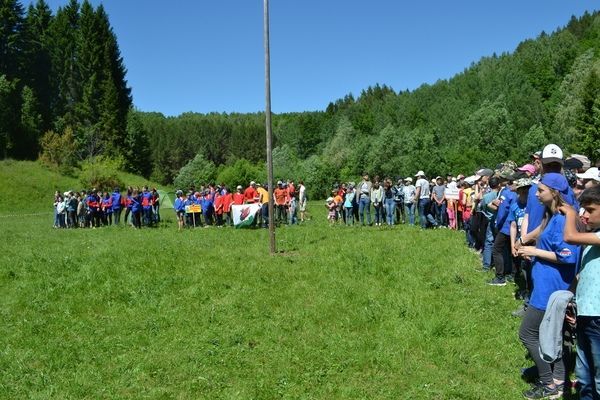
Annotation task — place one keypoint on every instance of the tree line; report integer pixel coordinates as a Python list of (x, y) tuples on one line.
[(499, 108), (62, 81)]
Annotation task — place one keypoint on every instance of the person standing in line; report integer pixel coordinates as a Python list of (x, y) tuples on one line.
[(117, 205), (554, 264), (389, 201), (587, 290), (422, 197), (377, 200), (364, 199), (410, 192), (302, 200)]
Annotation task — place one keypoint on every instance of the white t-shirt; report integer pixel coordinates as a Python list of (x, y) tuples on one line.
[(424, 185)]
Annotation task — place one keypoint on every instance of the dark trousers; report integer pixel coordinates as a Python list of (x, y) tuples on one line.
[(529, 333), (501, 244)]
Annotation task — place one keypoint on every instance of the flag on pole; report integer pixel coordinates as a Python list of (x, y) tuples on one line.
[(245, 214)]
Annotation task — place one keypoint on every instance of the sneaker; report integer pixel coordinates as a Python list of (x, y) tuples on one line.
[(519, 312), (497, 282), (509, 278), (541, 391)]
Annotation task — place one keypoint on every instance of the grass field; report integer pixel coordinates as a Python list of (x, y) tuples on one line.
[(340, 313)]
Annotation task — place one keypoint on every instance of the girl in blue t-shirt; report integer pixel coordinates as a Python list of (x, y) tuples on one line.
[(554, 263)]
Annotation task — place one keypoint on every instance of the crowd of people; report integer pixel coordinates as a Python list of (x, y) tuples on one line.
[(535, 225), (213, 205), (94, 208)]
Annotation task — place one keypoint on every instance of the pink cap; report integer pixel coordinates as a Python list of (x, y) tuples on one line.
[(527, 168)]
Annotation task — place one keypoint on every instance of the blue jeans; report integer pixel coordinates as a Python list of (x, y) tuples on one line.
[(378, 207), (488, 246), (440, 213), (588, 357), (424, 214), (364, 204), (390, 208), (468, 233), (349, 216), (410, 211)]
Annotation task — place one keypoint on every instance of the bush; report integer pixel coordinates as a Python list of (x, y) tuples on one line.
[(101, 173), (241, 173), (59, 151), (197, 172)]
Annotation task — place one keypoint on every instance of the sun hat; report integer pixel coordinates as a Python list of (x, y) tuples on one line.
[(591, 173), (438, 177), (460, 176), (555, 181), (252, 183), (408, 179), (484, 172), (519, 183), (583, 159), (239, 187), (527, 168), (472, 179), (552, 153), (420, 173)]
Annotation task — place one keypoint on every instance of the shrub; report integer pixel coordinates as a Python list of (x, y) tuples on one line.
[(59, 151), (196, 172), (101, 173)]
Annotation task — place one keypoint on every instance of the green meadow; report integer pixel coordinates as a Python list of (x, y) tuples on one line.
[(339, 313)]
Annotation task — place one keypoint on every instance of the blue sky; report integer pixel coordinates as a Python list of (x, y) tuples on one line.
[(207, 56)]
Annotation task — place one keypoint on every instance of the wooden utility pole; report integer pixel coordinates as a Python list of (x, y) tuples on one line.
[(268, 126)]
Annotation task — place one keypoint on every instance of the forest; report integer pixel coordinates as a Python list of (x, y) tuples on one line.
[(64, 98)]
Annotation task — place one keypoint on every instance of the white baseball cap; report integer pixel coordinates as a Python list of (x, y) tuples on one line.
[(552, 153), (591, 173)]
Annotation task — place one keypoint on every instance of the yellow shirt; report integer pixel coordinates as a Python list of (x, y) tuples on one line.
[(264, 195)]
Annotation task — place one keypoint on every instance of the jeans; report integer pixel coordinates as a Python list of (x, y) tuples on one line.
[(400, 212), (349, 215), (469, 235), (424, 214), (440, 213), (117, 215), (364, 204), (378, 207), (488, 246), (423, 210), (529, 333), (390, 207), (587, 368), (264, 213), (410, 211), (292, 212)]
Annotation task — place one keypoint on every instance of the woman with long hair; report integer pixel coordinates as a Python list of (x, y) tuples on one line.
[(554, 263)]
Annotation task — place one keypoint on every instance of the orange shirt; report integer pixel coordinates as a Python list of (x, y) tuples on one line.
[(280, 195), (250, 195), (227, 200)]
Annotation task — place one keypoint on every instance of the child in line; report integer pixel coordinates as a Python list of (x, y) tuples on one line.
[(587, 291), (179, 207), (332, 214)]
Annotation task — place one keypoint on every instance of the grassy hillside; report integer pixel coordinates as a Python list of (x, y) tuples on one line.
[(341, 313), (28, 187)]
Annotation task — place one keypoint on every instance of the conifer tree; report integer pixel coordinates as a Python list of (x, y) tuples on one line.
[(11, 26), (37, 63)]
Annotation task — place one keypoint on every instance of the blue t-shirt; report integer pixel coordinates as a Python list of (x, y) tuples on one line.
[(487, 199), (507, 198), (516, 214), (588, 287), (549, 276), (179, 204)]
